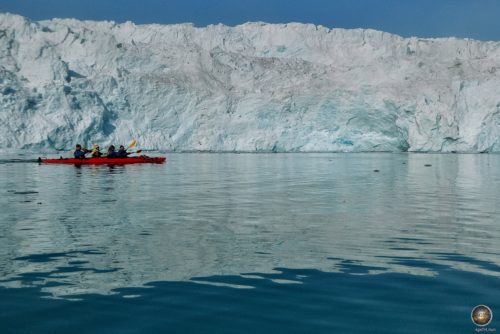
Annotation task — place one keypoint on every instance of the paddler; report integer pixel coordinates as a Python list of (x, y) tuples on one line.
[(122, 152), (96, 153), (112, 152), (80, 152)]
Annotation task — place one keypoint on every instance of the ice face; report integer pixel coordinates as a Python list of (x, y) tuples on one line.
[(253, 87)]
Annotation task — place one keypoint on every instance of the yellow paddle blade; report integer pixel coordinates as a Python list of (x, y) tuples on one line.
[(132, 144)]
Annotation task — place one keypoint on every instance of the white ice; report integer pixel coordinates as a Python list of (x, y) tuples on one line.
[(253, 87)]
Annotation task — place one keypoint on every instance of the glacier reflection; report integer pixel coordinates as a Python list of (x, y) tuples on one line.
[(95, 229)]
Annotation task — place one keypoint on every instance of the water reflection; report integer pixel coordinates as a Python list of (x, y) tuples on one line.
[(224, 214), (287, 300)]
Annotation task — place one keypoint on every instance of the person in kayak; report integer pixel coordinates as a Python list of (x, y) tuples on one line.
[(80, 152), (112, 152), (96, 153), (122, 152)]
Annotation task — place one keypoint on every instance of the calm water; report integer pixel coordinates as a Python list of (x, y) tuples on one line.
[(228, 243)]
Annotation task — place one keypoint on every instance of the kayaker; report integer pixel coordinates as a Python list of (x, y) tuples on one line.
[(112, 152), (122, 152), (96, 153), (80, 152)]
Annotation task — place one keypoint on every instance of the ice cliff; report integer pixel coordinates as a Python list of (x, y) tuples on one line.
[(253, 87)]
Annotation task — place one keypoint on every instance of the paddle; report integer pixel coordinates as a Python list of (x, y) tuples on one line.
[(132, 144), (138, 151)]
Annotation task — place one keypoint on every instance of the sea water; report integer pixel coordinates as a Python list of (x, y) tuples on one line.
[(253, 243)]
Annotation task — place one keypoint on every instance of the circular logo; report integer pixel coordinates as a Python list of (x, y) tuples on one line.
[(481, 315)]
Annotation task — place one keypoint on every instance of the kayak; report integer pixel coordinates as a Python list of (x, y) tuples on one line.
[(105, 161)]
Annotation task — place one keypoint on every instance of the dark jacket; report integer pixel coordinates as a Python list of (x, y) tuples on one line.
[(112, 154), (122, 153), (80, 154)]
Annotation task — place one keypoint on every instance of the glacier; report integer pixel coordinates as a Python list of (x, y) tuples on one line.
[(255, 87)]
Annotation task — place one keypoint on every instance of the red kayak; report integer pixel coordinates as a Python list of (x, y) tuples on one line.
[(105, 161)]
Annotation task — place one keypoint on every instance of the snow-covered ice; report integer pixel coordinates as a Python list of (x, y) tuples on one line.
[(253, 87)]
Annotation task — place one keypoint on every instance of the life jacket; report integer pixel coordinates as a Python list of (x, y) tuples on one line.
[(95, 152)]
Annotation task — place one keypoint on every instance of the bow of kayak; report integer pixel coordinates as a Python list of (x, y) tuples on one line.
[(105, 161)]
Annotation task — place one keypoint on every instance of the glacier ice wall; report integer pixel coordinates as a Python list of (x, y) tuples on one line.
[(253, 87)]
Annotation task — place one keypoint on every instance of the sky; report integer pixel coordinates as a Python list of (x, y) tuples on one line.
[(478, 19)]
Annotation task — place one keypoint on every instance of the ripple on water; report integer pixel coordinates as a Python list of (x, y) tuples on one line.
[(332, 225)]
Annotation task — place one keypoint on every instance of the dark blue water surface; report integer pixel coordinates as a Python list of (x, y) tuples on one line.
[(266, 243)]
